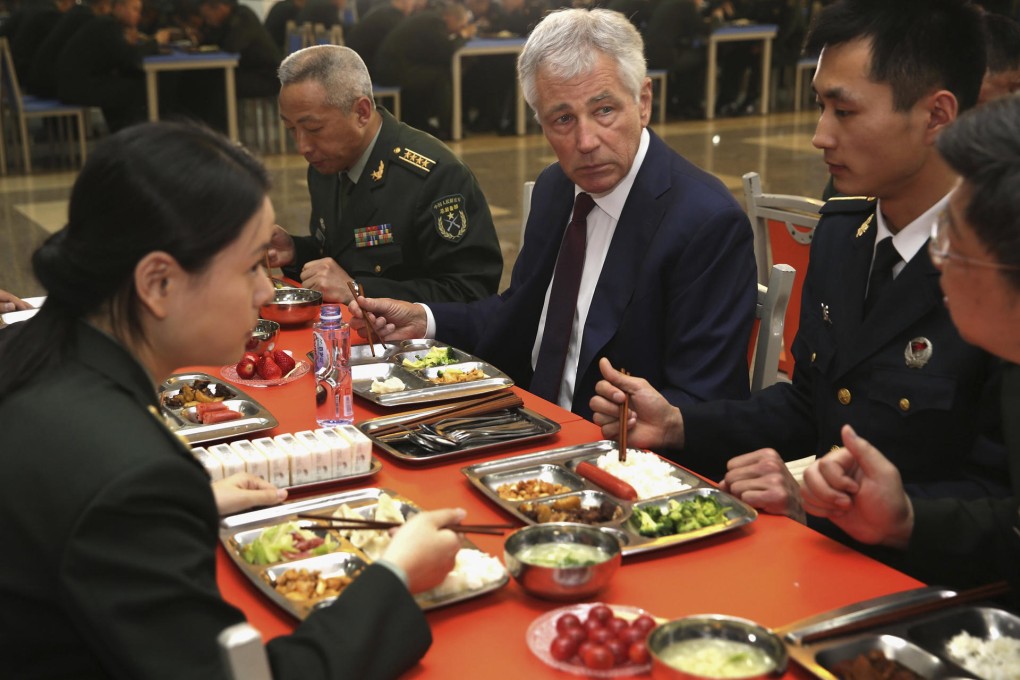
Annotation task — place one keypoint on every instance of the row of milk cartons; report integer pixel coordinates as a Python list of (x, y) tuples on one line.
[(292, 459)]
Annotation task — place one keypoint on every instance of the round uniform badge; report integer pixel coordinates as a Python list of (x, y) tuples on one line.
[(918, 352), (451, 219)]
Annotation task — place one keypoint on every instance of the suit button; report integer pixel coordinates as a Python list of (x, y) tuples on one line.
[(378, 269), (844, 396), (904, 404)]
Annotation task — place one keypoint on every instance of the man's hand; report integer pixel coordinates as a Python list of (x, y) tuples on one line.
[(652, 422), (12, 303), (242, 491), (762, 480), (391, 319), (329, 277), (281, 247), (861, 492), (424, 549)]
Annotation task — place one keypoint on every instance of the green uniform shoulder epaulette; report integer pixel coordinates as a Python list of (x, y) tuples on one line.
[(413, 160), (848, 204)]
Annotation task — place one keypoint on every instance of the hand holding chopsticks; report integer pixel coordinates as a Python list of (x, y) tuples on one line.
[(624, 413), (355, 291), (358, 524)]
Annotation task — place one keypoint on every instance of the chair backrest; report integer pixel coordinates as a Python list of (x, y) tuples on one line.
[(783, 228), (243, 654), (334, 35), (525, 207), (767, 339), (298, 37), (10, 90)]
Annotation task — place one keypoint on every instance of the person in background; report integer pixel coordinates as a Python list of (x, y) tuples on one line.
[(656, 268), (42, 76), (36, 25), (416, 56), (1002, 74), (392, 207), (276, 21), (101, 65), (875, 346), (235, 28), (674, 40), (368, 34), (9, 302), (976, 247), (114, 575)]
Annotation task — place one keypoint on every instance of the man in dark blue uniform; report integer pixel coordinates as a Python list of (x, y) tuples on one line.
[(875, 346), (392, 207)]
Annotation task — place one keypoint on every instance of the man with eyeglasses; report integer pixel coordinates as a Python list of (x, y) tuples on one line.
[(875, 346), (975, 244)]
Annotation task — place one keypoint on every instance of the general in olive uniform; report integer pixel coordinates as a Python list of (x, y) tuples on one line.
[(392, 206)]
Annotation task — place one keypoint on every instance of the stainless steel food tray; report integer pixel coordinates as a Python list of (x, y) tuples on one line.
[(255, 417), (918, 643), (238, 530), (410, 452), (419, 388), (557, 466)]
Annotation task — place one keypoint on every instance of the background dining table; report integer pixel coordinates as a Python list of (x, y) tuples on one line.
[(773, 571)]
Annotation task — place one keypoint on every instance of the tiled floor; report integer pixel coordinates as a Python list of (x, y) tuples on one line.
[(777, 146)]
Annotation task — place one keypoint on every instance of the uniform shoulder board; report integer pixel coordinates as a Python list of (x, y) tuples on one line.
[(417, 162), (848, 204)]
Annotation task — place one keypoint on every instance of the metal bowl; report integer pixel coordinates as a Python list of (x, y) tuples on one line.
[(561, 583), (262, 336), (717, 627), (293, 306)]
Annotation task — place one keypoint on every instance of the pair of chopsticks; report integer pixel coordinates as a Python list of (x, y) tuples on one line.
[(368, 327), (624, 411), (494, 401), (359, 524), (910, 611)]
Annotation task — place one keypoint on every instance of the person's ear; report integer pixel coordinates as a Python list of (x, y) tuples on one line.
[(158, 278), (942, 111), (363, 109)]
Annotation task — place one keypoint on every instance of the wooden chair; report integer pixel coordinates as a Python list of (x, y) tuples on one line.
[(660, 76), (525, 207), (767, 339), (243, 654), (391, 92), (783, 228), (24, 108), (804, 66)]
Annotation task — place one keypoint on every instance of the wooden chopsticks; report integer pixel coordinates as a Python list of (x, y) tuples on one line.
[(368, 327), (910, 611), (359, 524), (624, 411), (494, 401)]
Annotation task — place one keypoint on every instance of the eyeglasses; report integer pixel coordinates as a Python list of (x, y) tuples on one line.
[(940, 252)]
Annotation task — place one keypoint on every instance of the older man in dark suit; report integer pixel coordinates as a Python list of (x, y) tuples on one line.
[(655, 269)]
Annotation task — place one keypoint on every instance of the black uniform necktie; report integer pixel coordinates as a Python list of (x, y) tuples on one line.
[(559, 318), (886, 257)]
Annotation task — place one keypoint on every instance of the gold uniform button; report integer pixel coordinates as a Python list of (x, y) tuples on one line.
[(378, 268), (814, 355), (904, 404), (844, 396)]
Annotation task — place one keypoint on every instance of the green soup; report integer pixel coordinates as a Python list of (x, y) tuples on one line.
[(562, 555), (715, 658)]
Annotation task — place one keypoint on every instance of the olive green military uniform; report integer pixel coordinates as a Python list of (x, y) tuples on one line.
[(415, 226)]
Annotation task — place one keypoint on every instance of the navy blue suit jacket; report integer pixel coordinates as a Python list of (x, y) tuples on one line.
[(675, 300)]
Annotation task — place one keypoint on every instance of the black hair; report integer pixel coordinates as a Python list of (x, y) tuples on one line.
[(1002, 41), (983, 146), (172, 187), (917, 46)]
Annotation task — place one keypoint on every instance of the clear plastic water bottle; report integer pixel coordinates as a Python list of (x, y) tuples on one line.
[(334, 401)]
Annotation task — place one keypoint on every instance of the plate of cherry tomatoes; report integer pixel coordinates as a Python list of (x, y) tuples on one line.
[(593, 639), (272, 367)]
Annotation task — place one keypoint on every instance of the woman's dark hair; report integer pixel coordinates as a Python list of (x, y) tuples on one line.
[(983, 146), (917, 46), (172, 187)]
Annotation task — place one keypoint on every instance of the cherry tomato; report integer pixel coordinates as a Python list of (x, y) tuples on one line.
[(633, 634), (584, 648), (619, 650), (617, 625), (645, 623), (591, 625), (600, 613), (578, 635), (597, 656), (563, 648), (601, 635), (638, 652), (567, 621)]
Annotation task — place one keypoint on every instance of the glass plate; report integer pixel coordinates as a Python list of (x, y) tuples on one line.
[(230, 373), (542, 632)]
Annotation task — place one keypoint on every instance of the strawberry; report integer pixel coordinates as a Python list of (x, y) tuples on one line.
[(268, 370), (284, 361)]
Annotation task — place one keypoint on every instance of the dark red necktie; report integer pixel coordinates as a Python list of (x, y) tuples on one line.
[(559, 318)]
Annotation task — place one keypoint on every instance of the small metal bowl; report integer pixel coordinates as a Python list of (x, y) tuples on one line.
[(293, 306), (263, 335), (561, 583), (719, 627)]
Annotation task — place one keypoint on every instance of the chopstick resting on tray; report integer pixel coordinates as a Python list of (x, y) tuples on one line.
[(494, 401), (368, 327), (354, 523)]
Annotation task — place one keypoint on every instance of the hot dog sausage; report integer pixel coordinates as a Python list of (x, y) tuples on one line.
[(206, 407), (210, 417), (610, 483)]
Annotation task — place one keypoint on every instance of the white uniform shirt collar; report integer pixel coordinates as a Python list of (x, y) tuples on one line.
[(911, 238)]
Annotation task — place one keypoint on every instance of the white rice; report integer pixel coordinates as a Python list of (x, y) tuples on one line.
[(474, 570), (992, 659), (647, 473)]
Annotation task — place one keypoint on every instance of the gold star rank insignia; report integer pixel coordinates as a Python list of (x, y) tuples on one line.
[(415, 161)]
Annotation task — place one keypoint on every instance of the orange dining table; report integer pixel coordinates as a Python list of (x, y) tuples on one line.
[(773, 571)]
